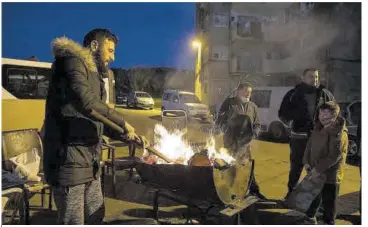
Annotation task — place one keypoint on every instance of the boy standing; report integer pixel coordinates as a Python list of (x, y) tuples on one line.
[(326, 154)]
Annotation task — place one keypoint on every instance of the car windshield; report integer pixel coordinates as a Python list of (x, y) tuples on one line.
[(143, 95), (189, 98)]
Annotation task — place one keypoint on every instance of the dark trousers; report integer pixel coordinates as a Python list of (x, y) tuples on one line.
[(328, 196), (297, 148)]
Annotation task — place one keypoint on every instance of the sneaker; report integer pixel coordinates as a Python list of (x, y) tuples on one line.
[(310, 221)]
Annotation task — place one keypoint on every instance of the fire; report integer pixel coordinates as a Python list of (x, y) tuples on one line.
[(172, 144), (174, 147), (222, 154)]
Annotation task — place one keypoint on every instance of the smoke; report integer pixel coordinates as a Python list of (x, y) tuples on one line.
[(307, 37), (304, 39)]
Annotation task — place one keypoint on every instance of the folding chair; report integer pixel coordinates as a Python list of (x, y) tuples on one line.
[(114, 164), (21, 141)]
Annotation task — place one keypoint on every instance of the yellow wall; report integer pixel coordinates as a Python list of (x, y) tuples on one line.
[(22, 113)]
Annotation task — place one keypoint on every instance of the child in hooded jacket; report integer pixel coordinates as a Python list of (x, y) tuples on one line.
[(326, 154)]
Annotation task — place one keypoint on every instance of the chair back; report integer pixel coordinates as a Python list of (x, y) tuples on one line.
[(21, 141)]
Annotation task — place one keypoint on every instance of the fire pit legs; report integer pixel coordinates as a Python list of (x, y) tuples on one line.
[(155, 204)]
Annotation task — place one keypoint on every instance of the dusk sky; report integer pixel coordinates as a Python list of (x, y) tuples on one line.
[(150, 34)]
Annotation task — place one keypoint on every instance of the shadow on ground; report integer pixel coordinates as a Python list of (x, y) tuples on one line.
[(44, 217), (347, 204), (129, 191), (258, 214), (140, 221), (353, 219)]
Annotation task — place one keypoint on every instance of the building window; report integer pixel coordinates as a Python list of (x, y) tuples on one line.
[(278, 52), (220, 52), (220, 20), (248, 26), (29, 83), (201, 18)]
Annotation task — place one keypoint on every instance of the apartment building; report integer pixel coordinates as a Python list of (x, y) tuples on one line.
[(269, 44)]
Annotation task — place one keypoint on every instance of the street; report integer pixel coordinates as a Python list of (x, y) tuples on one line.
[(271, 168)]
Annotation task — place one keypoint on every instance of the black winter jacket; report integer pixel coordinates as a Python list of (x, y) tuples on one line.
[(72, 138), (234, 125), (294, 107)]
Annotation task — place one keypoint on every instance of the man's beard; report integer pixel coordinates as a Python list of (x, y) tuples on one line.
[(102, 68), (244, 99)]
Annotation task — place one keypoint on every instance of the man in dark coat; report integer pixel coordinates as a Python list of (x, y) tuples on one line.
[(298, 109), (239, 120), (72, 137)]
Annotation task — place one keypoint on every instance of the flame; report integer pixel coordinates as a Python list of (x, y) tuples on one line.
[(172, 144), (222, 154), (174, 147)]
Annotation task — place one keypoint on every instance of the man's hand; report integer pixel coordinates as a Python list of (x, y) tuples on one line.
[(131, 136), (140, 140), (143, 141), (129, 128)]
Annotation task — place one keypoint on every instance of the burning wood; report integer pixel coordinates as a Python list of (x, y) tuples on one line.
[(174, 147)]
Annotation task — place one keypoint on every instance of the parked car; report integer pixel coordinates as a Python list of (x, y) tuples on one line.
[(121, 99), (140, 99), (351, 111), (186, 101)]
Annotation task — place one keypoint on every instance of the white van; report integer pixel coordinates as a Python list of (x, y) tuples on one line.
[(186, 101), (268, 100)]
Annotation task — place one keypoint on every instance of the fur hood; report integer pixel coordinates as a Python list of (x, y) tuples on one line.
[(64, 47), (335, 128)]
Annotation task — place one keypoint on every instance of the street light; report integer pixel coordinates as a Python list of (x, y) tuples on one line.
[(197, 83), (196, 44)]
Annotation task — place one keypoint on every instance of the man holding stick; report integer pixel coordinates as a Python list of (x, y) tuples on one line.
[(72, 135)]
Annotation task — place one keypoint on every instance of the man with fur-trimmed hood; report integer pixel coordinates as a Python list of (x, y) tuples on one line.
[(326, 154), (72, 137)]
